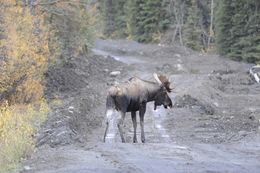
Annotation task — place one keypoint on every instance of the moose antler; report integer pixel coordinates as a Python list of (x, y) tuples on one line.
[(157, 78), (166, 83)]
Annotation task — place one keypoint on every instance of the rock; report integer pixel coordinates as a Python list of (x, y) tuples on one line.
[(177, 55), (116, 83), (106, 70), (114, 73), (252, 117), (242, 133), (216, 104), (179, 67), (27, 168), (71, 109)]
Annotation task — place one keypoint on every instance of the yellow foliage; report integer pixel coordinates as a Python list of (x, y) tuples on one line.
[(156, 37), (24, 49), (17, 126), (26, 46)]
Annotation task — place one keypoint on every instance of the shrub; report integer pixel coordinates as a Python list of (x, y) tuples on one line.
[(17, 126)]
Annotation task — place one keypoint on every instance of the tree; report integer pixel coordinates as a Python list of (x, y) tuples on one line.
[(238, 29), (190, 22), (245, 31), (223, 26), (114, 18), (72, 25), (211, 32), (192, 30), (108, 10), (23, 60), (135, 18), (121, 19), (147, 19), (25, 52)]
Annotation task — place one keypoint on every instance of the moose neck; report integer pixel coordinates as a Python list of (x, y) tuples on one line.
[(152, 89)]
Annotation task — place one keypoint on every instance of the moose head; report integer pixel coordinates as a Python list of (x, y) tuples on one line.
[(162, 97)]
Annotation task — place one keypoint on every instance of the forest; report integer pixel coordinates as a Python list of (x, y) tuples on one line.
[(36, 35), (231, 28)]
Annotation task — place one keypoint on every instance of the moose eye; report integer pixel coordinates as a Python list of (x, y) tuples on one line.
[(164, 93)]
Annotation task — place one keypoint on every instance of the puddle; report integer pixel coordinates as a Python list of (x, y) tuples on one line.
[(158, 117), (125, 59), (158, 132), (112, 129)]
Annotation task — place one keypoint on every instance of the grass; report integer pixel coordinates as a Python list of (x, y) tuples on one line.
[(18, 124)]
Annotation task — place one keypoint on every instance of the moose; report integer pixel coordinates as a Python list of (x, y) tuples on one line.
[(133, 96)]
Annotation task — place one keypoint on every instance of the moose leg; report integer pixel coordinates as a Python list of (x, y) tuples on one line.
[(105, 134), (108, 118), (120, 124), (141, 114), (133, 115)]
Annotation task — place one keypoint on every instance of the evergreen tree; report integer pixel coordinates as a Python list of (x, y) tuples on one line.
[(141, 20), (136, 16), (165, 16), (192, 31), (146, 19), (245, 31), (251, 42), (223, 26), (108, 10), (120, 19), (114, 17), (150, 20), (238, 28), (239, 20)]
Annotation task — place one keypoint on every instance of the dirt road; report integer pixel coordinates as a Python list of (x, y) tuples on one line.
[(213, 127)]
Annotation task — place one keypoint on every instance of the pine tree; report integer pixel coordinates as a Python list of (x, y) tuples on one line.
[(114, 15), (131, 19), (251, 42), (165, 16), (192, 31), (245, 31), (238, 28), (146, 19), (239, 19), (152, 19), (223, 26), (108, 10), (135, 17), (120, 19)]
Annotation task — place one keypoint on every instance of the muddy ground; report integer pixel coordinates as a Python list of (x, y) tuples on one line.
[(213, 127)]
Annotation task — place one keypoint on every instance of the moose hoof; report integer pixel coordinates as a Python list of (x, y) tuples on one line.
[(143, 140), (134, 141)]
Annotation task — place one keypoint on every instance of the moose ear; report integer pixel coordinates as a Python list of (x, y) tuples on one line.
[(157, 78)]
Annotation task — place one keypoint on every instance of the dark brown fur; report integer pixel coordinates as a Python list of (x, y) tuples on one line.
[(133, 96)]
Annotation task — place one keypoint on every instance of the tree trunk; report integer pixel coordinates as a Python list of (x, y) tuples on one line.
[(211, 33)]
